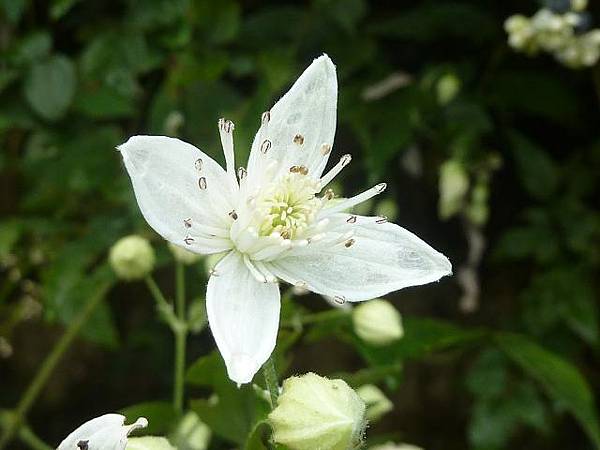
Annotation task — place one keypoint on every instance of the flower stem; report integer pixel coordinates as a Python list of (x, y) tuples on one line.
[(180, 338), (49, 365), (270, 375)]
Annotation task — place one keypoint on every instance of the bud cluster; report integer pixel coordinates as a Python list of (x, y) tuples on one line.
[(561, 29)]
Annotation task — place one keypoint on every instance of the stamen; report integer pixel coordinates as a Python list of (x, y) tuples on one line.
[(349, 243), (198, 164), (226, 128), (212, 272), (298, 139), (242, 173), (187, 223), (325, 149), (353, 201), (233, 215), (265, 271), (381, 219), (329, 194), (339, 299), (202, 183), (351, 219), (303, 170), (335, 170), (265, 118), (265, 146), (188, 240)]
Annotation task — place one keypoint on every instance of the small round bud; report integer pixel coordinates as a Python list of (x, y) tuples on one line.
[(314, 412), (377, 322), (453, 186), (132, 257), (182, 255), (149, 443), (447, 87), (377, 403)]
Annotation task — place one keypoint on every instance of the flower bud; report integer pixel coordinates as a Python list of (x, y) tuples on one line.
[(448, 86), (192, 433), (149, 443), (453, 186), (377, 322), (184, 256), (314, 412), (107, 431), (377, 403), (132, 257)]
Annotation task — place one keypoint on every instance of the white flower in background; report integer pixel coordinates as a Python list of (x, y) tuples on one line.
[(581, 51), (521, 34), (276, 220), (107, 432), (553, 30)]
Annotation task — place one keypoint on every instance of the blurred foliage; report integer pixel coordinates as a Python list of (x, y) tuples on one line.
[(423, 86)]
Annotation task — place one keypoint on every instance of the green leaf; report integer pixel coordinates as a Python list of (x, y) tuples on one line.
[(161, 416), (50, 86), (13, 9), (256, 439), (539, 174), (561, 380)]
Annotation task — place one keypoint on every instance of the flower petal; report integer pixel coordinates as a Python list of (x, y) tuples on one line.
[(378, 258), (182, 192), (300, 124), (243, 315), (106, 432)]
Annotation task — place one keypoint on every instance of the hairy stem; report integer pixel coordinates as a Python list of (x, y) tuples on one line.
[(48, 366)]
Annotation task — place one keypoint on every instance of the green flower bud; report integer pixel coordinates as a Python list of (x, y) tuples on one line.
[(377, 322), (192, 433), (377, 403), (453, 186), (149, 443), (132, 257), (314, 412), (182, 255), (447, 87)]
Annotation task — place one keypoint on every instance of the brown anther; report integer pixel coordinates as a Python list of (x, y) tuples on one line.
[(329, 194), (381, 219), (233, 215), (83, 445), (202, 183), (265, 117), (242, 173), (212, 272), (349, 243), (325, 149), (265, 146), (188, 240), (226, 125), (187, 223), (351, 219), (303, 170), (380, 187), (198, 164), (301, 284), (285, 234), (298, 139), (295, 169), (339, 299)]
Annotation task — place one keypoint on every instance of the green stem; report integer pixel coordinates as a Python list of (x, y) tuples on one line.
[(270, 375), (180, 338), (48, 367)]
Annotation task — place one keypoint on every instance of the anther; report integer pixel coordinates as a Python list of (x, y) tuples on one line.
[(381, 220), (351, 219), (301, 284), (380, 187), (198, 164), (226, 126), (187, 223), (213, 273), (325, 149), (83, 445), (298, 139), (285, 234), (233, 215), (339, 299), (303, 170), (242, 172), (349, 243), (345, 160), (202, 183), (188, 240), (265, 117), (294, 169), (329, 194), (265, 146)]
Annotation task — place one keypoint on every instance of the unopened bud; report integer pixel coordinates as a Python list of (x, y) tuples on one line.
[(377, 403), (182, 255), (132, 257), (377, 322), (314, 412)]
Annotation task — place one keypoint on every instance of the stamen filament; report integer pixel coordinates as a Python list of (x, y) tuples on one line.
[(253, 270), (335, 170), (226, 128), (357, 199)]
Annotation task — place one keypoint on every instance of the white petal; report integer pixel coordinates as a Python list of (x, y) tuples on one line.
[(243, 314), (182, 192), (382, 258), (106, 432), (308, 110)]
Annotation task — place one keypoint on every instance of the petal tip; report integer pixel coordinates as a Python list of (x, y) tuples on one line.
[(241, 368)]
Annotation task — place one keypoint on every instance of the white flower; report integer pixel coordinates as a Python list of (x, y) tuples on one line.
[(272, 221), (107, 432)]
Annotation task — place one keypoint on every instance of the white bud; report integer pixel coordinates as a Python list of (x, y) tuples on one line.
[(182, 255), (377, 403), (107, 431), (149, 443), (314, 412), (132, 257), (377, 322)]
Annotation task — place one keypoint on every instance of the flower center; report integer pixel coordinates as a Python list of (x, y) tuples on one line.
[(288, 206)]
